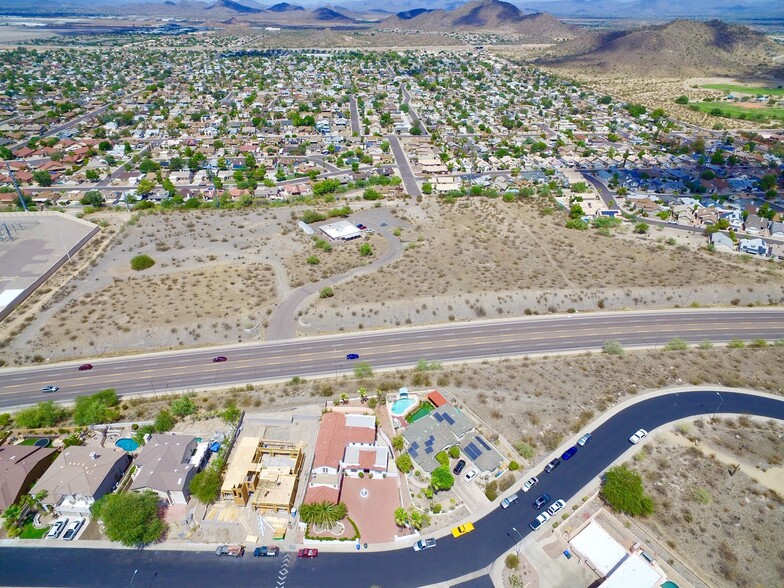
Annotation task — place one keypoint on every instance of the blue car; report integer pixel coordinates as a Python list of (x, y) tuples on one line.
[(352, 356), (569, 453)]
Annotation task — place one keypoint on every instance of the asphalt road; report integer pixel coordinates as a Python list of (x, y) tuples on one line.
[(451, 558), (413, 114), (355, 127), (318, 356), (406, 174)]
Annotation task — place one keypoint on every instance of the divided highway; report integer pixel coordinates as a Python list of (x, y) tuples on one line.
[(403, 567), (322, 356)]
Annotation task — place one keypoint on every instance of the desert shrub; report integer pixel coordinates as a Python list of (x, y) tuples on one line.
[(513, 466), (442, 458), (454, 452), (524, 449), (512, 561), (43, 414), (182, 406), (613, 348), (676, 344), (404, 463), (491, 490), (623, 490), (142, 262), (326, 292)]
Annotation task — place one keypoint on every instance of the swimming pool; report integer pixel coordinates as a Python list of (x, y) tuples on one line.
[(401, 405), (127, 444)]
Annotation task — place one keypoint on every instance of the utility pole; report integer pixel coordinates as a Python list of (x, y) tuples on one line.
[(18, 191)]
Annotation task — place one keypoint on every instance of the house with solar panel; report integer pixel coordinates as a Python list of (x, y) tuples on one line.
[(442, 428)]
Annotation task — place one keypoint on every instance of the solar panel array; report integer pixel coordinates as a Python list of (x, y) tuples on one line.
[(473, 451)]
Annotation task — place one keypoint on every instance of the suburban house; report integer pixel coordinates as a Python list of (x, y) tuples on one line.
[(756, 225), (80, 476), (753, 246), (440, 429), (166, 464), (722, 242), (20, 467)]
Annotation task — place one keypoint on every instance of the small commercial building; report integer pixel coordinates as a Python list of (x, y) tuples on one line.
[(341, 231)]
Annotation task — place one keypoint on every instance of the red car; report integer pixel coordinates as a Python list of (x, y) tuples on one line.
[(85, 366), (307, 552)]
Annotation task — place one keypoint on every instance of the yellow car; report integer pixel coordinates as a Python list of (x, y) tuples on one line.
[(462, 529)]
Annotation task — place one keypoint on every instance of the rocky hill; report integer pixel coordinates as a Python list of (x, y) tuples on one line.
[(485, 15), (680, 47)]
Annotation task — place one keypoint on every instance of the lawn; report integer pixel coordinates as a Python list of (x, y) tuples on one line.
[(740, 112), (30, 532), (32, 440), (745, 89)]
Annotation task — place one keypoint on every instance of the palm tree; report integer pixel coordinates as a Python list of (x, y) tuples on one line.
[(324, 513), (343, 398), (363, 394)]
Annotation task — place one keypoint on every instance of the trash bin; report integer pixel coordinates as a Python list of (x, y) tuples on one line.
[(568, 554)]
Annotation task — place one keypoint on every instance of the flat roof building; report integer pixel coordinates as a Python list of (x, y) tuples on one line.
[(341, 231)]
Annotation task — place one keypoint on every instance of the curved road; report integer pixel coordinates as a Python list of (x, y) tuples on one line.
[(395, 348), (452, 558)]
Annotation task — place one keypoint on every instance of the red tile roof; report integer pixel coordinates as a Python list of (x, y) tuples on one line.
[(333, 437), (436, 398), (321, 494)]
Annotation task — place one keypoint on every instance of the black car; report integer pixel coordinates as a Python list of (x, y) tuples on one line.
[(459, 467), (541, 501), (552, 465)]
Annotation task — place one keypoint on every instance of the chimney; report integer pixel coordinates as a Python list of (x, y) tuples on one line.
[(93, 455)]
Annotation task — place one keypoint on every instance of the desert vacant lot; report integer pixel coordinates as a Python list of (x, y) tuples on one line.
[(219, 274), (481, 257)]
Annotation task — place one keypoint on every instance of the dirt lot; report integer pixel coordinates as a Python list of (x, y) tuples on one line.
[(513, 259), (726, 525)]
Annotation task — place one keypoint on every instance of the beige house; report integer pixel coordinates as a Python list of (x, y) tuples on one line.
[(80, 476), (166, 465), (20, 466)]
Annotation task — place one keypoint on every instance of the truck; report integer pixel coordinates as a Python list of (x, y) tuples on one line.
[(230, 550), (265, 551)]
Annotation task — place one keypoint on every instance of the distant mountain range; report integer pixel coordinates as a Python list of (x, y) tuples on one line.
[(659, 9)]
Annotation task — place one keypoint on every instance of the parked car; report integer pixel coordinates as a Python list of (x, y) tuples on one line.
[(352, 356), (47, 389), (265, 551), (85, 366), (555, 507), (569, 453), (638, 436), (383, 224), (424, 544), (219, 359), (471, 474), (539, 521), (57, 528), (236, 550), (73, 529), (509, 500), (552, 465), (530, 483), (584, 439), (462, 529), (461, 463), (307, 552), (541, 501)]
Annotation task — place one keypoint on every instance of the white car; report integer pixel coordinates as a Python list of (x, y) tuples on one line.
[(539, 521), (72, 530), (557, 505), (57, 528), (638, 436), (471, 474), (528, 484)]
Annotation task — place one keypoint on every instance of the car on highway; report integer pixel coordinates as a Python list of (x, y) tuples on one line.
[(552, 465), (461, 463), (352, 356), (638, 436), (541, 501), (424, 544), (584, 439), (539, 521), (471, 474), (85, 367), (509, 500), (57, 528), (530, 483), (73, 529), (569, 453), (307, 552), (555, 507), (47, 389), (462, 529), (265, 551), (219, 359)]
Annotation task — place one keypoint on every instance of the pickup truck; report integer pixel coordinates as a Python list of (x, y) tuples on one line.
[(230, 550), (265, 551)]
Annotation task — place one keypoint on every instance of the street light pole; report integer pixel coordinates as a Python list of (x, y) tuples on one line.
[(134, 576), (517, 547), (721, 401)]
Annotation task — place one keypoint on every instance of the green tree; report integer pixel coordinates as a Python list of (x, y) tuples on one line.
[(365, 250), (398, 443), (427, 188), (145, 187), (682, 99), (182, 406), (454, 452), (404, 463), (92, 198), (767, 182), (96, 409), (231, 414), (442, 478), (418, 520), (42, 178), (131, 518), (401, 516), (164, 421), (206, 485), (371, 194), (641, 228), (148, 165), (43, 414), (92, 174), (623, 490)]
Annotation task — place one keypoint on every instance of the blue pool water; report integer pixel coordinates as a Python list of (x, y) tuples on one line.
[(401, 405), (127, 444)]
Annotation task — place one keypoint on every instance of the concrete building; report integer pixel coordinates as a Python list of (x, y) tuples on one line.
[(341, 231)]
